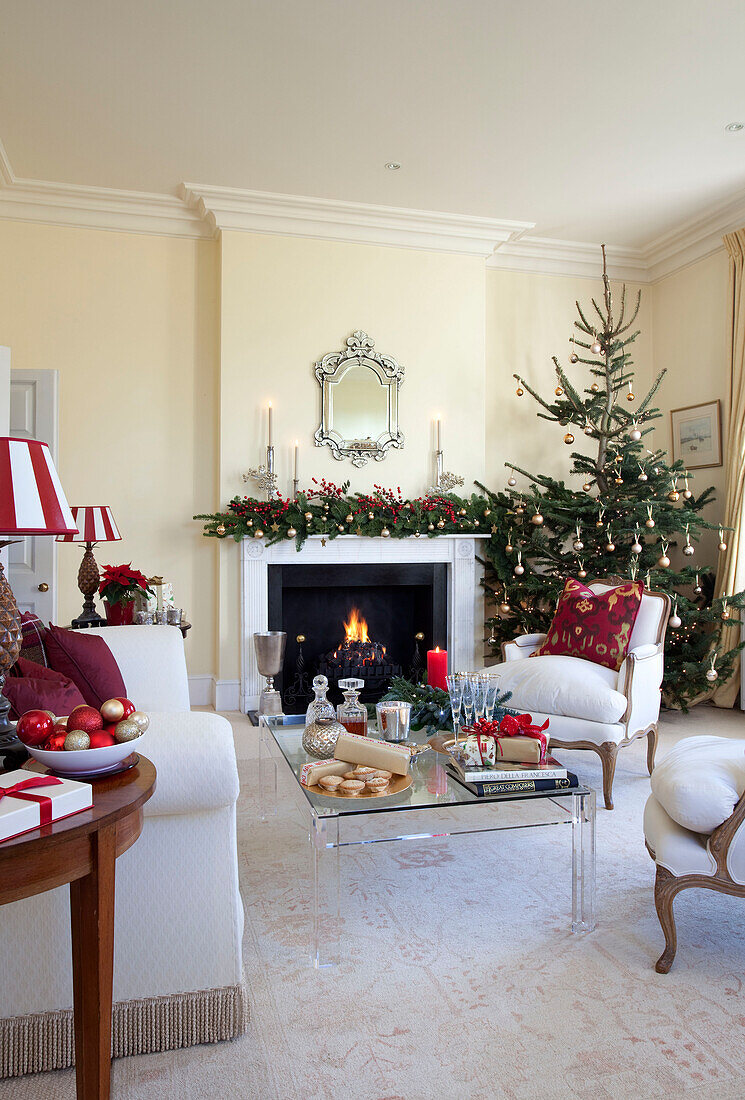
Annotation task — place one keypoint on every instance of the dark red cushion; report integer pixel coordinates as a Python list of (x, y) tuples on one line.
[(43, 690), (88, 661), (596, 627), (24, 667)]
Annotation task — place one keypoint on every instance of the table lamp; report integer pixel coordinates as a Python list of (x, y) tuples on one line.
[(32, 502), (95, 523)]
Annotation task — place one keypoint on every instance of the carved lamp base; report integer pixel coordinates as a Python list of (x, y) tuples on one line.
[(88, 579), (10, 647)]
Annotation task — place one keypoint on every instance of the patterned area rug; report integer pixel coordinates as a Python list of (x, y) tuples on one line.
[(461, 978)]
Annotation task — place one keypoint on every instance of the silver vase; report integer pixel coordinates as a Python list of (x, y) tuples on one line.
[(270, 654), (319, 737)]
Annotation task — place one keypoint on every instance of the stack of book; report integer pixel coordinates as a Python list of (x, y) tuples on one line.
[(509, 778)]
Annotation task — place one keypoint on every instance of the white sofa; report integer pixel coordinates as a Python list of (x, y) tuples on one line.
[(179, 916)]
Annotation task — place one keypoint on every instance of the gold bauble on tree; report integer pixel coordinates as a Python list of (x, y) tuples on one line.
[(595, 388), (559, 391), (519, 391), (220, 529), (568, 438), (537, 519)]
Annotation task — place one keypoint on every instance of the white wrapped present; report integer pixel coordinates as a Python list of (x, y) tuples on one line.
[(29, 800)]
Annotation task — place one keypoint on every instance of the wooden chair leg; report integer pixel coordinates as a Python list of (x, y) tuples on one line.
[(608, 753), (665, 888), (652, 738)]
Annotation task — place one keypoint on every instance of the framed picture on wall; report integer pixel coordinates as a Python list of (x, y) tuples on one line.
[(697, 435)]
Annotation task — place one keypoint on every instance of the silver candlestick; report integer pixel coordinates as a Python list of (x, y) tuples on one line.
[(264, 475), (445, 481), (270, 654)]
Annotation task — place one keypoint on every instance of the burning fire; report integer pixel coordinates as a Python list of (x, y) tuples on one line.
[(356, 627)]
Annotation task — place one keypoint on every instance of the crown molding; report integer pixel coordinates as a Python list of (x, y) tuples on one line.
[(546, 256), (227, 208), (694, 240), (94, 207)]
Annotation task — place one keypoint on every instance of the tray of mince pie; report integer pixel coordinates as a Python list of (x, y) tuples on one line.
[(379, 769)]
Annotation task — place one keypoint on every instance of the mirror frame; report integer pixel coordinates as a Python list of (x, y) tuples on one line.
[(359, 351)]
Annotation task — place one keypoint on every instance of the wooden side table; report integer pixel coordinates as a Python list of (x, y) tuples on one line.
[(83, 850)]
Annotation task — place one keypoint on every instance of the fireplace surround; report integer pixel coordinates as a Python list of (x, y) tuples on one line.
[(457, 608)]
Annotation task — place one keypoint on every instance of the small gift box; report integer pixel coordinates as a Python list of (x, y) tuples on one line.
[(28, 801), (515, 739)]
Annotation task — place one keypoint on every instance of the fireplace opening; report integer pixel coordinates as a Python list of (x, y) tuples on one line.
[(370, 622)]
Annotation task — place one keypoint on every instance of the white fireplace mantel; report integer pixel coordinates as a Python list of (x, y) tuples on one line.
[(458, 552)]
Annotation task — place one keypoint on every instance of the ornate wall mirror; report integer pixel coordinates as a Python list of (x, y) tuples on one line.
[(359, 401)]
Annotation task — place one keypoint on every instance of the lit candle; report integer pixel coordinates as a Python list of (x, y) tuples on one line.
[(269, 411), (295, 463), (437, 668), (439, 434)]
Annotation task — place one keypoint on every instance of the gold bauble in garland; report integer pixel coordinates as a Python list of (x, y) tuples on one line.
[(350, 518), (417, 534), (258, 533), (340, 526), (291, 532), (249, 523), (309, 516), (461, 511), (220, 529), (385, 533), (487, 511), (441, 523), (371, 515), (430, 526)]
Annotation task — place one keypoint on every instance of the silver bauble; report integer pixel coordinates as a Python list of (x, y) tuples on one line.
[(689, 550), (636, 548), (320, 737), (596, 347), (518, 570), (635, 434), (687, 494), (77, 739), (712, 675), (127, 730), (722, 547), (511, 480), (649, 522), (642, 476), (675, 621), (574, 358), (140, 718), (578, 545)]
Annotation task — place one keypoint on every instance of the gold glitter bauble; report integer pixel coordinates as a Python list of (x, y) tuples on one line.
[(77, 739), (127, 730)]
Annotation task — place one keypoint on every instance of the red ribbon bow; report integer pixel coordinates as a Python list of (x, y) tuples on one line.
[(20, 790), (520, 725)]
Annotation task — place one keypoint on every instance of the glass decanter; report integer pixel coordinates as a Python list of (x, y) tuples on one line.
[(319, 707), (351, 713)]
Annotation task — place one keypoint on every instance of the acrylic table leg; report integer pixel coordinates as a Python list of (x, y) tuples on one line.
[(324, 844), (583, 862), (267, 775)]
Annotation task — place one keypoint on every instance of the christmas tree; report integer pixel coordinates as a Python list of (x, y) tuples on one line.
[(633, 509)]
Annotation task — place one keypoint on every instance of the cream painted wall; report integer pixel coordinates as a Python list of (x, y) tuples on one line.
[(131, 323), (286, 302), (690, 340), (529, 318)]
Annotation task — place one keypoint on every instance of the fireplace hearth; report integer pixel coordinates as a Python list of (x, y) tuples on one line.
[(370, 622)]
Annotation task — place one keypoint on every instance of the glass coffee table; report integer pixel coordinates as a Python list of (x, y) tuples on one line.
[(340, 823)]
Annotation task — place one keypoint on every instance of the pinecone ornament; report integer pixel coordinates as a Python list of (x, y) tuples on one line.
[(10, 627)]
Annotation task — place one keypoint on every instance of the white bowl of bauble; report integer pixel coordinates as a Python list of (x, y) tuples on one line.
[(89, 741)]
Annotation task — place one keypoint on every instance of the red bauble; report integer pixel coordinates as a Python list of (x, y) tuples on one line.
[(129, 708), (34, 727), (86, 719), (56, 742), (100, 739)]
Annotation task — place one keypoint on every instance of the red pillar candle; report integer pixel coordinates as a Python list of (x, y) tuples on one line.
[(437, 668)]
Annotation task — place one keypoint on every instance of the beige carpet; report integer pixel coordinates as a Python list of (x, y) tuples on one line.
[(462, 979)]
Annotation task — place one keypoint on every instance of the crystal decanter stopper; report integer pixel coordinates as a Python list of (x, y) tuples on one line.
[(319, 707)]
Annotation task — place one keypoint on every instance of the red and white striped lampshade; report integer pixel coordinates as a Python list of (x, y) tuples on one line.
[(95, 524), (32, 501)]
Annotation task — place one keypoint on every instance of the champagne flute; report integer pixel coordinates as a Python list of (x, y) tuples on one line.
[(468, 699), (478, 687), (492, 692), (455, 690)]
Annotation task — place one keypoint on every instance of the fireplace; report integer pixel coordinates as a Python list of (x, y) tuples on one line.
[(370, 621), (463, 614)]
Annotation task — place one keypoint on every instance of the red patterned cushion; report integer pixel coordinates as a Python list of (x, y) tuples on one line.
[(32, 638), (88, 661), (596, 627)]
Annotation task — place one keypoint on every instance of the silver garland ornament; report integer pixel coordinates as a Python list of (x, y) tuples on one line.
[(519, 568)]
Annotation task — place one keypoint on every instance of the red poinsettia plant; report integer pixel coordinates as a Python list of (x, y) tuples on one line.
[(120, 583)]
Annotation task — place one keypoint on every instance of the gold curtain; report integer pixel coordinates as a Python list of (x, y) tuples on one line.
[(731, 575)]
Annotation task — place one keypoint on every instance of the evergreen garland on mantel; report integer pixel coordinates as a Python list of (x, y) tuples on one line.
[(328, 510)]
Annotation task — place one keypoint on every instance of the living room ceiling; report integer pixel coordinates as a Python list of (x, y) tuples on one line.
[(594, 121)]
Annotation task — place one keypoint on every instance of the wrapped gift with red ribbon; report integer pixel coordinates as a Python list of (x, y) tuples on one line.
[(515, 739), (28, 801)]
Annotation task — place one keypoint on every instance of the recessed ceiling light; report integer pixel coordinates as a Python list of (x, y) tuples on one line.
[(734, 127), (393, 165)]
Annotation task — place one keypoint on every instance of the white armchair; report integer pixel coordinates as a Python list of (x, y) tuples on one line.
[(694, 826), (590, 706)]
